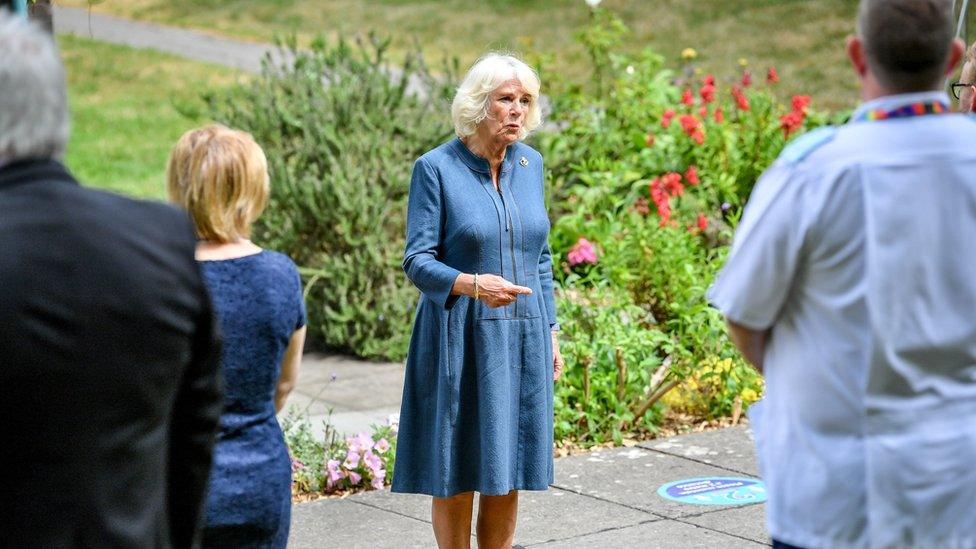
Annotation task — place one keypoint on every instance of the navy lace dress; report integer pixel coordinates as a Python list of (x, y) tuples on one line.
[(258, 302)]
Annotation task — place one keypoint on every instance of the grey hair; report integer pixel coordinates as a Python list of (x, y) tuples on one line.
[(906, 42), (470, 104), (34, 121)]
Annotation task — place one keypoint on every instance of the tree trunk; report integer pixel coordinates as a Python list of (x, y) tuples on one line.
[(42, 13)]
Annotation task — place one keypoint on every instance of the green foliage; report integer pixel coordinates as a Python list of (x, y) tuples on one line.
[(653, 171), (341, 131)]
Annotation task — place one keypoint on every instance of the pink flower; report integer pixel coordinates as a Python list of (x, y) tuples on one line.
[(354, 478), (373, 462), (334, 474), (382, 445), (352, 460), (719, 115), (691, 175), (687, 98), (772, 76), (709, 80), (378, 483), (393, 420), (582, 252), (703, 112), (296, 465)]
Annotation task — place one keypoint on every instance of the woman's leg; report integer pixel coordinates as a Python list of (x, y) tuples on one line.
[(452, 521), (496, 521)]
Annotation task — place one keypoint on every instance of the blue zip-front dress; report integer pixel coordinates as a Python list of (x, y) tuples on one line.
[(477, 397)]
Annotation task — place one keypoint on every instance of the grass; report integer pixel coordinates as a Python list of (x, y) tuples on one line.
[(802, 38), (128, 108)]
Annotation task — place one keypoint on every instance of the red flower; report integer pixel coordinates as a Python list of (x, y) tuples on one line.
[(649, 139), (698, 137), (666, 118), (707, 93), (746, 79), (688, 123), (771, 76), (691, 175), (687, 98), (709, 80), (703, 112), (719, 115), (790, 122), (672, 182), (702, 222), (740, 98), (801, 102), (660, 198)]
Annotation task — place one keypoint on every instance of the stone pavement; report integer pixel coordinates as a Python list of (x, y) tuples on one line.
[(358, 393), (603, 499)]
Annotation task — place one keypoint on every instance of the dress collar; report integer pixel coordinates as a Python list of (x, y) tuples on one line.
[(892, 102), (479, 164)]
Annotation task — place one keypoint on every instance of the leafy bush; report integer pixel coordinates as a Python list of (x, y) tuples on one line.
[(341, 131), (649, 172)]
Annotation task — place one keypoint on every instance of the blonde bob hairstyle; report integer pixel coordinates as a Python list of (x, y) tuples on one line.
[(470, 106), (220, 176)]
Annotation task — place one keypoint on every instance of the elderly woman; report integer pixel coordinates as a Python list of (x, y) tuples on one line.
[(221, 176), (477, 398)]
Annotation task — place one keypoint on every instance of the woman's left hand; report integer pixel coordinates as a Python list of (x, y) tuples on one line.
[(557, 357)]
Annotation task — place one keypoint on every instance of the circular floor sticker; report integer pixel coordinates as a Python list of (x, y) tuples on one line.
[(715, 491)]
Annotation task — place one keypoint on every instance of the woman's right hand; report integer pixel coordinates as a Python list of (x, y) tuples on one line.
[(495, 291)]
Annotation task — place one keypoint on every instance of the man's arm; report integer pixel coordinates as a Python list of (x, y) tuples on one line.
[(196, 417), (751, 343)]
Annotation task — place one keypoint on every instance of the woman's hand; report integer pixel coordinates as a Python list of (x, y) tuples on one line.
[(557, 357), (495, 291)]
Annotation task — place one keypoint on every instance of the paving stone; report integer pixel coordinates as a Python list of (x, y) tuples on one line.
[(748, 521), (631, 476), (543, 516), (664, 534), (341, 523), (730, 448)]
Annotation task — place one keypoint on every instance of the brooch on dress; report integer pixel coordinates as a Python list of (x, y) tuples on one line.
[(524, 161)]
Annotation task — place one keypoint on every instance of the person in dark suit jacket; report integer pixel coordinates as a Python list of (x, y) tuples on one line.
[(109, 386)]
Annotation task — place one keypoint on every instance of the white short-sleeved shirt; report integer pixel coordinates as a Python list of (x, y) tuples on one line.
[(852, 250)]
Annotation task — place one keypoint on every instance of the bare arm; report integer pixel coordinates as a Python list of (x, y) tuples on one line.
[(751, 343), (289, 367)]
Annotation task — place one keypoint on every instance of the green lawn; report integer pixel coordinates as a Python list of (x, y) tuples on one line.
[(802, 38), (125, 107)]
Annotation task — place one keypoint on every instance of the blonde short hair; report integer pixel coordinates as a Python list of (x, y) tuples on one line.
[(470, 104), (220, 176)]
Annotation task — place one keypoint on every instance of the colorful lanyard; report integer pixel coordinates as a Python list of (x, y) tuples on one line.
[(906, 111)]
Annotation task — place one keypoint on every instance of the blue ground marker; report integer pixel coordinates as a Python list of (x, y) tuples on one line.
[(715, 491)]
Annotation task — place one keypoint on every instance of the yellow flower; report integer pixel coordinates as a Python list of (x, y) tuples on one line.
[(688, 54), (749, 396), (743, 62)]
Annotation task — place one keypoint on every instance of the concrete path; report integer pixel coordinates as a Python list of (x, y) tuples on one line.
[(187, 43), (357, 393), (601, 500)]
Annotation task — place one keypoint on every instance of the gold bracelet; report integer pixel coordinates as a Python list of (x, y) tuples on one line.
[(476, 291)]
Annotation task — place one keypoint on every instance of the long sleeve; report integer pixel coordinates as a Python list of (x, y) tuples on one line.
[(545, 281), (196, 417), (425, 227)]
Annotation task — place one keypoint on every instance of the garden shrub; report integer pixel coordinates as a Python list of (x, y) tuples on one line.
[(649, 172), (341, 132)]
